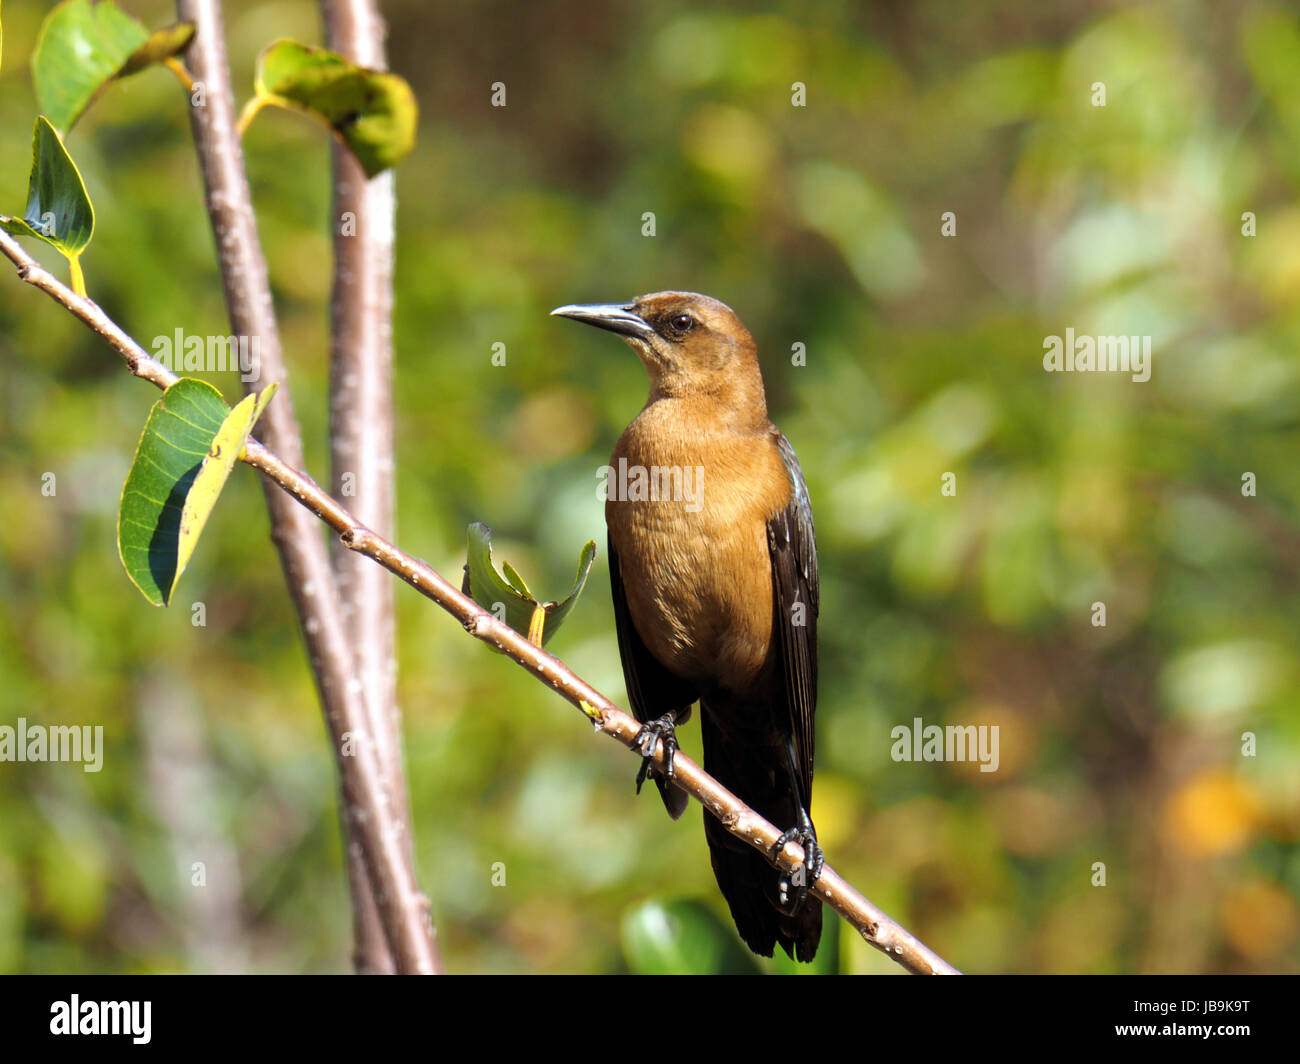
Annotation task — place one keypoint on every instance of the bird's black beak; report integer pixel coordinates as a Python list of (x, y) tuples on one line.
[(612, 316)]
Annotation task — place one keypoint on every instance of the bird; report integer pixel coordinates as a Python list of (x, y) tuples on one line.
[(713, 571)]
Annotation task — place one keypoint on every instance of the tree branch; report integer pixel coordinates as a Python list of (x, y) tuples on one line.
[(874, 925), (374, 816), (361, 421)]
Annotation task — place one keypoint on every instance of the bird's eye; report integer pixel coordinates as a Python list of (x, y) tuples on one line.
[(681, 323)]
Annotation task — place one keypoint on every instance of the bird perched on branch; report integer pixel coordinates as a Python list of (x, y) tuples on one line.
[(714, 573)]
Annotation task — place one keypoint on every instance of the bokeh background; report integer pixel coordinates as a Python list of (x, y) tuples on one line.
[(820, 225)]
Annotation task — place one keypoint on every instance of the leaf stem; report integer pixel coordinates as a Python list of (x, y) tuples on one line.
[(178, 68), (537, 625), (78, 278), (249, 112)]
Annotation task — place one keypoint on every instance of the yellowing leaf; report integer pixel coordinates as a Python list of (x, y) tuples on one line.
[(188, 447), (373, 112), (215, 470)]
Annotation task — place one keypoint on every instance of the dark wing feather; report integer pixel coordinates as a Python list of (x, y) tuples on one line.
[(794, 580), (651, 688)]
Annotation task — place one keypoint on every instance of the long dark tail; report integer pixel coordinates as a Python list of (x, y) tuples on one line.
[(751, 763)]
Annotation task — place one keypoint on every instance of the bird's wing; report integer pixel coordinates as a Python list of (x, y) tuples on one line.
[(651, 688), (794, 581)]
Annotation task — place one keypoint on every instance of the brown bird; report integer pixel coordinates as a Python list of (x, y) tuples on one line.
[(713, 567)]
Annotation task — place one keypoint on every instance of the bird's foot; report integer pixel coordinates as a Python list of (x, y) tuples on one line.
[(665, 729), (806, 874)]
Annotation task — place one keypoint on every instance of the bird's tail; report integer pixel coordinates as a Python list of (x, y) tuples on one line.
[(747, 881)]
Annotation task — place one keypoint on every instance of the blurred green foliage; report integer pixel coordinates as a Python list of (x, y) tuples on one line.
[(821, 226)]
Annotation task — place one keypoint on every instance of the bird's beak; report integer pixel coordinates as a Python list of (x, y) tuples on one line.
[(612, 316)]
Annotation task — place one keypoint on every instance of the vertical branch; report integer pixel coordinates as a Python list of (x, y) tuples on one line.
[(373, 823), (361, 419)]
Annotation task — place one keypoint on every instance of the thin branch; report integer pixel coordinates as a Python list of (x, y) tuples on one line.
[(874, 925), (361, 418), (374, 816)]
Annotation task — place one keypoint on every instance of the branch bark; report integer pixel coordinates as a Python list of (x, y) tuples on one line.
[(375, 819), (874, 925), (361, 433)]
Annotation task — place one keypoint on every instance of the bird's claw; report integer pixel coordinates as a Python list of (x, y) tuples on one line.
[(665, 729), (806, 874)]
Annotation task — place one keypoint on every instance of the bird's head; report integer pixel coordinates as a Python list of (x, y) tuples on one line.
[(692, 345)]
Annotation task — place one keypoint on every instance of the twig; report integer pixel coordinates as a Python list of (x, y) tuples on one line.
[(374, 817), (874, 925)]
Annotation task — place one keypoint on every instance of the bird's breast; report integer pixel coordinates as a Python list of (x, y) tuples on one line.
[(688, 518)]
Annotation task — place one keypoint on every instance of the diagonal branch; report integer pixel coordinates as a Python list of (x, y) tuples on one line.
[(874, 925), (374, 812)]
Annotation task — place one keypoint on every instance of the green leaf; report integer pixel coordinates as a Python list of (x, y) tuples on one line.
[(372, 111), (682, 937), (557, 611), (83, 46), (485, 585), (516, 581), (488, 587), (58, 209), (189, 445)]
